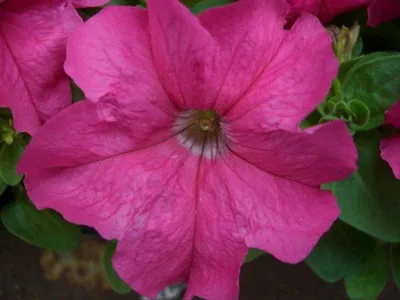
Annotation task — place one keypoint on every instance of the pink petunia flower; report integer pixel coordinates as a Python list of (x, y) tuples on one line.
[(326, 10), (89, 3), (189, 150), (33, 42), (390, 147), (380, 11)]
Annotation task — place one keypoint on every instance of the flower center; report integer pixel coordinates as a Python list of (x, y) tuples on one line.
[(200, 131)]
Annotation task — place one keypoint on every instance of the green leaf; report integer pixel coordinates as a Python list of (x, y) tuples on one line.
[(369, 198), (375, 81), (360, 112), (368, 281), (327, 108), (341, 110), (311, 120), (44, 228), (77, 93), (346, 66), (9, 157), (339, 251), (124, 2), (396, 263), (206, 4), (357, 49), (141, 3), (88, 12), (113, 279), (253, 254)]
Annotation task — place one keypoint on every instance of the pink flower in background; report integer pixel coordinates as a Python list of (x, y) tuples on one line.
[(189, 150), (89, 3), (380, 11), (326, 10), (33, 41), (390, 148)]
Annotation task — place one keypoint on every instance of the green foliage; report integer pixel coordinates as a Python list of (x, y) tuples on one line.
[(367, 282), (113, 279), (369, 197), (375, 81), (357, 49), (3, 186), (253, 254), (395, 260), (359, 112), (77, 93), (339, 251), (364, 90), (206, 4), (9, 157), (123, 2), (383, 37), (44, 228)]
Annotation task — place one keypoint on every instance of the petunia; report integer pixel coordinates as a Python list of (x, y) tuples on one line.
[(189, 150), (390, 147), (326, 10), (33, 38), (89, 3), (380, 11)]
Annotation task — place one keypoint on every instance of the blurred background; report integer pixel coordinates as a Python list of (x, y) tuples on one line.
[(31, 273)]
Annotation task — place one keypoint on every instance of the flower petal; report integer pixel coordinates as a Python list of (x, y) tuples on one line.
[(326, 10), (89, 3), (219, 248), (390, 152), (198, 233), (380, 11), (110, 57), (324, 155), (86, 132), (293, 84), (145, 199), (182, 51), (277, 215), (393, 115), (248, 35), (32, 46)]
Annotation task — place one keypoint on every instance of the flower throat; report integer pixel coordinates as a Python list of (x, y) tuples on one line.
[(200, 131)]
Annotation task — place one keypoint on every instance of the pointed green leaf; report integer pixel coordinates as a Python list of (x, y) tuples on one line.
[(44, 228), (9, 157), (369, 198), (357, 49), (113, 279), (368, 281), (339, 251)]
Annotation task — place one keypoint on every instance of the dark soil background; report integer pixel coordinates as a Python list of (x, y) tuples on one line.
[(23, 278)]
